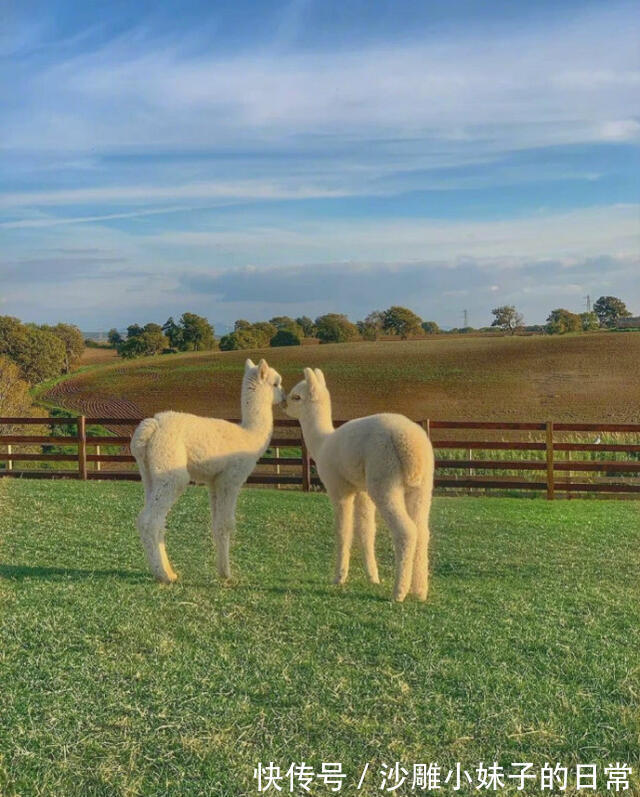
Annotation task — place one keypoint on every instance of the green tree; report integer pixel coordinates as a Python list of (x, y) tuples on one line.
[(430, 327), (241, 339), (335, 328), (155, 340), (307, 325), (241, 324), (228, 342), (589, 321), (262, 332), (254, 336), (174, 333), (401, 321), (609, 310), (132, 347), (284, 337), (507, 318), (73, 340), (284, 322), (561, 321), (39, 354), (134, 330), (197, 332), (372, 325), (15, 400), (114, 338), (148, 341)]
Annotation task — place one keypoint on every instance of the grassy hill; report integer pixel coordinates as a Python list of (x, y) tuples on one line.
[(574, 378), (111, 684)]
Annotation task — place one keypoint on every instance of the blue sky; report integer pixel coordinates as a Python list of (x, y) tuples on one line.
[(248, 159)]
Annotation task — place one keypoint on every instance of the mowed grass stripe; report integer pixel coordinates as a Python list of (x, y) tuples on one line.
[(527, 649)]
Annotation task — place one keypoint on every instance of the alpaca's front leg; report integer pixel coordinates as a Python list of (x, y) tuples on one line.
[(365, 525), (343, 509), (223, 497)]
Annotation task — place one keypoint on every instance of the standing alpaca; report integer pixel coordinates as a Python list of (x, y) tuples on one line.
[(173, 448), (385, 457)]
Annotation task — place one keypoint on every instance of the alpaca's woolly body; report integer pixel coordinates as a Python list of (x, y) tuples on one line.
[(173, 448), (383, 458)]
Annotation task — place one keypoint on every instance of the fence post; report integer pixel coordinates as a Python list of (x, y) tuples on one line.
[(98, 463), (306, 468), (277, 453), (82, 448), (9, 461), (427, 427), (549, 450)]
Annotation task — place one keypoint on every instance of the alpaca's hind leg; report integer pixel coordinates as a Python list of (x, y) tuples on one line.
[(365, 526), (162, 494), (391, 504), (223, 494), (418, 506)]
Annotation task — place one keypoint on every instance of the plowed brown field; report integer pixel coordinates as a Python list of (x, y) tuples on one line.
[(590, 378)]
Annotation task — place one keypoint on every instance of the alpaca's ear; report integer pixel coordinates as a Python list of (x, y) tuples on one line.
[(263, 370), (248, 363), (312, 381), (320, 377)]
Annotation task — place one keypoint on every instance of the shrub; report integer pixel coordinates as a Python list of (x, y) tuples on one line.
[(284, 337), (401, 321), (335, 328), (561, 321)]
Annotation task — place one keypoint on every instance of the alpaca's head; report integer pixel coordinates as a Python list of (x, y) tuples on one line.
[(311, 391), (262, 382)]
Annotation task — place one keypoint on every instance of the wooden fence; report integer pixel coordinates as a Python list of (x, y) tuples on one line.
[(470, 455)]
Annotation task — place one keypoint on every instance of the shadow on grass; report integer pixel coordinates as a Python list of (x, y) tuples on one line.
[(22, 572), (330, 592)]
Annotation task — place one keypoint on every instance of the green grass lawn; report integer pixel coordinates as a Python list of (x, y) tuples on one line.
[(526, 651)]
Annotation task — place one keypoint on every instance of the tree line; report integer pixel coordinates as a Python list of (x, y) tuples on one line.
[(607, 312), (194, 333), (190, 333)]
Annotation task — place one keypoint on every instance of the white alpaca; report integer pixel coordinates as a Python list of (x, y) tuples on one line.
[(173, 448), (385, 457)]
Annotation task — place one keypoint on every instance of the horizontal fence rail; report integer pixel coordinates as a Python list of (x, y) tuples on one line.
[(470, 455)]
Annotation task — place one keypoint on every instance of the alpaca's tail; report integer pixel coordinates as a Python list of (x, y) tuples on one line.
[(415, 453), (141, 436), (139, 441)]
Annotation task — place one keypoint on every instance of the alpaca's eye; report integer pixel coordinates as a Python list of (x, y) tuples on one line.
[(296, 398)]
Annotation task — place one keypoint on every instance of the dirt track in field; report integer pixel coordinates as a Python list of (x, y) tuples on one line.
[(69, 394), (585, 378)]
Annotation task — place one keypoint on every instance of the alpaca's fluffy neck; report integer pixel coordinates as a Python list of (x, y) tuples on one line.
[(257, 412), (317, 424)]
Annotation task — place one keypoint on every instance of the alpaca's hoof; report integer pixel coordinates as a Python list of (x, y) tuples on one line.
[(167, 578), (375, 580), (398, 597), (339, 581)]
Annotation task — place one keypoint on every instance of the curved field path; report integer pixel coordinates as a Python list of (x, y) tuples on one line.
[(69, 394)]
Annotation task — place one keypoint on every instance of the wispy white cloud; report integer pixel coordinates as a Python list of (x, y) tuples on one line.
[(579, 233), (524, 88), (237, 190)]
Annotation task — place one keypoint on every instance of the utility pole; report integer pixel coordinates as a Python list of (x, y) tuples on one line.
[(466, 318), (588, 298)]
